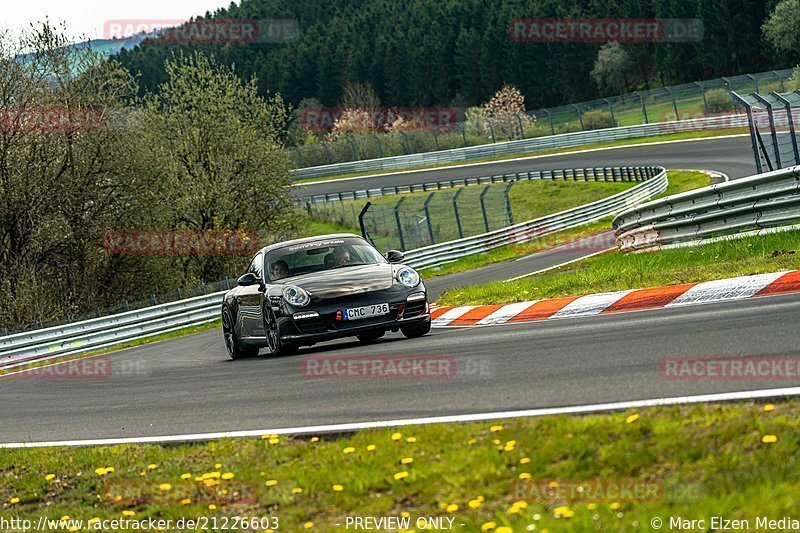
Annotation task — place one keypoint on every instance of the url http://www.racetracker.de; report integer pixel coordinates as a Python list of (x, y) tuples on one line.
[(201, 523)]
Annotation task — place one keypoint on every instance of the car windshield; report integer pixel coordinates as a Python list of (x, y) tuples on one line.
[(316, 256)]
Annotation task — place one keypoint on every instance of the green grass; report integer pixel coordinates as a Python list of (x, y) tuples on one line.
[(617, 271), (703, 460), (681, 136)]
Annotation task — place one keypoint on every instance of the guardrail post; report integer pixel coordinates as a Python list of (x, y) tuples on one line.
[(483, 208), (428, 216), (455, 210), (436, 139), (751, 123), (5, 332), (178, 293), (703, 92), (507, 199), (125, 305), (153, 300), (399, 224)]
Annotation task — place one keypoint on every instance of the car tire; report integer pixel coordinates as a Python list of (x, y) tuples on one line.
[(276, 346), (370, 336), (417, 330), (235, 350)]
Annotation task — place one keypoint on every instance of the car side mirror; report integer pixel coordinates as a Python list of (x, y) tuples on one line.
[(248, 279), (394, 256)]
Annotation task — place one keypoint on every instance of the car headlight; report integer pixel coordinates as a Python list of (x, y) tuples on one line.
[(296, 296), (408, 277)]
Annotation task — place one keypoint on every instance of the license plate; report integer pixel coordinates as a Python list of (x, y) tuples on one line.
[(357, 313)]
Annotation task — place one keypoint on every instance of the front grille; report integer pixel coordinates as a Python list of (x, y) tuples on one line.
[(414, 309), (311, 325)]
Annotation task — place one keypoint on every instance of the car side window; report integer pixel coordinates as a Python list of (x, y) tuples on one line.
[(257, 265)]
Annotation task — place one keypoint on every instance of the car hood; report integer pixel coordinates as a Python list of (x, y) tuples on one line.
[(345, 281)]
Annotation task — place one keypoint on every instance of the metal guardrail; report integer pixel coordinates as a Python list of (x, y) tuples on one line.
[(20, 349), (756, 202), (98, 333), (553, 142)]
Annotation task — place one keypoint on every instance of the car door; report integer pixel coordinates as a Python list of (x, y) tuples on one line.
[(250, 301)]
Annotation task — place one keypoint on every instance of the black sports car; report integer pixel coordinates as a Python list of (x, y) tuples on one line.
[(297, 293)]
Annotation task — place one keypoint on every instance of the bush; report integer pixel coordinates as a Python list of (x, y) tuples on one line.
[(597, 119), (718, 100)]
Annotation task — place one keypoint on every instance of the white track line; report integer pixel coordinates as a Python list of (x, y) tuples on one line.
[(565, 263), (513, 160), (477, 417)]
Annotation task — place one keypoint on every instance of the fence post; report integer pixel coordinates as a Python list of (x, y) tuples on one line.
[(455, 210), (405, 142), (674, 103), (521, 129), (178, 293), (464, 134), (644, 107), (353, 146), (754, 80), (703, 92), (227, 283), (611, 110), (428, 216), (125, 305), (580, 116), (491, 130), (507, 199), (380, 147), (792, 131), (780, 78), (436, 139), (399, 224), (773, 131), (327, 153), (364, 232), (550, 120), (152, 300), (483, 207)]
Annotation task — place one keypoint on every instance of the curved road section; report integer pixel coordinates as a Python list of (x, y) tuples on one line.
[(730, 155)]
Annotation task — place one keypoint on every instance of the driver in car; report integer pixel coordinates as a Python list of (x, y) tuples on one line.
[(338, 258), (279, 269)]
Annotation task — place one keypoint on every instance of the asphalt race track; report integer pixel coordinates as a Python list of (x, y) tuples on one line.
[(730, 155), (188, 385)]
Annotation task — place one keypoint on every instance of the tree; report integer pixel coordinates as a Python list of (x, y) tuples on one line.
[(505, 111), (781, 29), (611, 68)]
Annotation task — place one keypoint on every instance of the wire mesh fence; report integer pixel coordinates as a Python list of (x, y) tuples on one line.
[(679, 102)]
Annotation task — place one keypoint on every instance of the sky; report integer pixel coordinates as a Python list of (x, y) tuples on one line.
[(93, 18)]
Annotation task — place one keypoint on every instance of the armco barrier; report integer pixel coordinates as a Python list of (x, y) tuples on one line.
[(553, 142), (79, 337), (756, 202)]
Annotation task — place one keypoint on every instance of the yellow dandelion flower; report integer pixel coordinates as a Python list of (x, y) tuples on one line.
[(337, 488), (74, 528), (187, 475), (495, 429), (480, 499), (488, 526), (397, 436), (13, 501), (271, 482), (561, 510), (452, 508), (474, 504), (186, 501), (126, 512), (50, 477), (524, 475), (228, 475), (218, 466), (266, 437), (117, 498), (274, 440), (631, 419), (93, 520), (110, 469), (411, 440), (615, 505), (308, 525), (769, 407), (504, 529), (165, 487), (297, 490), (769, 439), (472, 441), (152, 466), (407, 460), (100, 471), (443, 505), (405, 514), (348, 450), (371, 448), (525, 460), (314, 439), (142, 473), (401, 475), (592, 506), (65, 517), (212, 507)]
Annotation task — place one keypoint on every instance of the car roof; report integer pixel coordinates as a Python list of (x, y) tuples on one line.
[(308, 239)]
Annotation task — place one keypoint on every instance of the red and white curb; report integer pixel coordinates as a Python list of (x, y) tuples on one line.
[(619, 301)]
